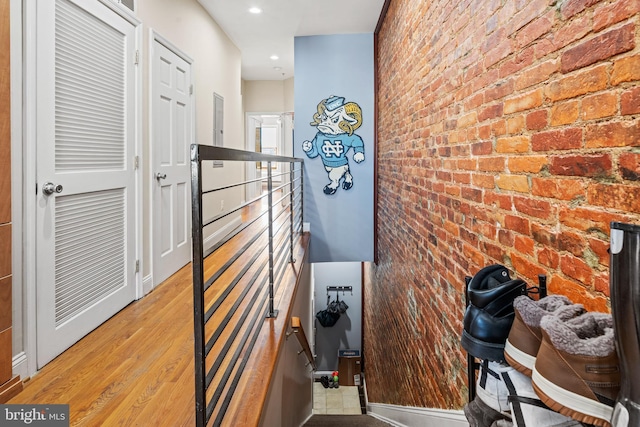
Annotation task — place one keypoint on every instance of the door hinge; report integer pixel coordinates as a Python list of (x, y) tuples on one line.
[(191, 90), (137, 58), (137, 266), (136, 162)]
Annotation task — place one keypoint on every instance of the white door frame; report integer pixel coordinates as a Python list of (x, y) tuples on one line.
[(154, 36), (17, 188), (250, 145), (29, 173)]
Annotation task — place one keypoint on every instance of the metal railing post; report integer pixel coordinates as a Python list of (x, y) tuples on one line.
[(272, 311), (291, 231), (198, 286)]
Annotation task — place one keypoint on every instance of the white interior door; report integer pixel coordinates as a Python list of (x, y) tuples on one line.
[(85, 242), (171, 136)]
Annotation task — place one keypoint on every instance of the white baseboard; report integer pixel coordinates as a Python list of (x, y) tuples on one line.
[(218, 235), (147, 284), (20, 365), (308, 418), (410, 416)]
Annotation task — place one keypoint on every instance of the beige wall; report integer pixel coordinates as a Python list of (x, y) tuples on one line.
[(288, 95), (268, 96), (216, 68), (271, 96)]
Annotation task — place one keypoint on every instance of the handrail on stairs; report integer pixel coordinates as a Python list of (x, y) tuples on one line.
[(298, 330)]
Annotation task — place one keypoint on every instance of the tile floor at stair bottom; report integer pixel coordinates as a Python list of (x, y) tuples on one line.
[(336, 401)]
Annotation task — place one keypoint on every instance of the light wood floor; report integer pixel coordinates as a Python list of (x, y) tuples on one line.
[(137, 369), (134, 370)]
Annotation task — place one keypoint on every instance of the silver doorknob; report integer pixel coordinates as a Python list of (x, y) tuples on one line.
[(49, 188), (160, 176)]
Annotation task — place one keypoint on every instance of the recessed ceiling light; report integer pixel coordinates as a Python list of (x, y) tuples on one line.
[(277, 68), (255, 10), (274, 57)]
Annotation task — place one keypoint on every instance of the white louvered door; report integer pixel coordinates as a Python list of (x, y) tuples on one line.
[(85, 148)]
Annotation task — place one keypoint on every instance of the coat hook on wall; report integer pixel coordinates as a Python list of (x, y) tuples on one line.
[(342, 289)]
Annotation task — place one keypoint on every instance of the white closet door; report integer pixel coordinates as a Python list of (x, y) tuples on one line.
[(85, 161), (170, 140)]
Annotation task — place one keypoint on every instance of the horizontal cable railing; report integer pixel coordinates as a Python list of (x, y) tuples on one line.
[(234, 291)]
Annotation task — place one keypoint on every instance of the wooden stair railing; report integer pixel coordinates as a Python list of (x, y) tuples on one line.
[(297, 329)]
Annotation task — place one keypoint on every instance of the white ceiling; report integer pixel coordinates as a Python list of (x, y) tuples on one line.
[(272, 32)]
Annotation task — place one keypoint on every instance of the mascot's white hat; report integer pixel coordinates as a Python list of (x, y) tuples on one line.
[(334, 102)]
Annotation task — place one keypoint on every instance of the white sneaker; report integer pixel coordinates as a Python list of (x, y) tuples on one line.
[(527, 410), (491, 388)]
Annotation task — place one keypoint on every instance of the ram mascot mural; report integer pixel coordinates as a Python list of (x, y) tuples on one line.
[(336, 123)]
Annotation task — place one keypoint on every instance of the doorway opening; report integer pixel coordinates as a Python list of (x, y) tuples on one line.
[(268, 133)]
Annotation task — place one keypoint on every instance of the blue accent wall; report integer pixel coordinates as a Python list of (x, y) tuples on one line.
[(341, 223)]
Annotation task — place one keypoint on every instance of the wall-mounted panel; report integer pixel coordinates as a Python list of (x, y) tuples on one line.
[(334, 132)]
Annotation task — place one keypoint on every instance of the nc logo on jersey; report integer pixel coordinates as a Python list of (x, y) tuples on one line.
[(330, 150)]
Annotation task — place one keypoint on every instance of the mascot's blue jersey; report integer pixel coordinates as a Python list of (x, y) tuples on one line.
[(333, 148)]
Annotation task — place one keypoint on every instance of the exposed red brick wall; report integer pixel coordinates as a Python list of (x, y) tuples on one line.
[(509, 132)]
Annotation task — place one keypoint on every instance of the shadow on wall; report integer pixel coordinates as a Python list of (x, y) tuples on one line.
[(331, 339), (337, 282)]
